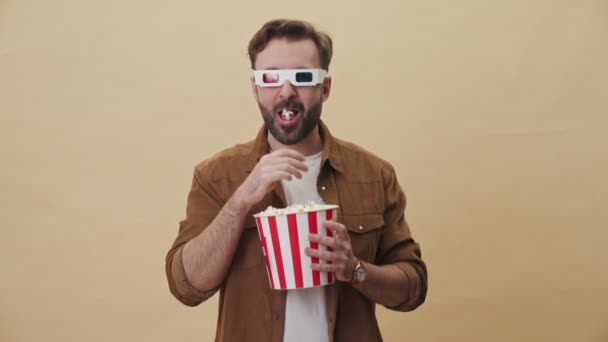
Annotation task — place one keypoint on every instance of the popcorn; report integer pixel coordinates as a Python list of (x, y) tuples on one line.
[(286, 114), (294, 208)]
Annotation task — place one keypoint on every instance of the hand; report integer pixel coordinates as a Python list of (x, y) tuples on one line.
[(278, 165), (339, 252)]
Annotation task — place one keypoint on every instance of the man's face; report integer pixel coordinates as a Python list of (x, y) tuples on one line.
[(305, 102)]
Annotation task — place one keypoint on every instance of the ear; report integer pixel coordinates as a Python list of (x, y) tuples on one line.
[(254, 89), (326, 88)]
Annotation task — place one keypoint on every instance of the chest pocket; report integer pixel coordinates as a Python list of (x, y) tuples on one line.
[(364, 232)]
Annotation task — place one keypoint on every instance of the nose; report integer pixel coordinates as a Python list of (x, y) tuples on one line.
[(288, 90)]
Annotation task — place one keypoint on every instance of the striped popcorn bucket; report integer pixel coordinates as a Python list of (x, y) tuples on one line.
[(284, 239)]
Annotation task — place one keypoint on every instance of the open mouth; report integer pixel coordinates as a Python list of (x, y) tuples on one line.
[(288, 115)]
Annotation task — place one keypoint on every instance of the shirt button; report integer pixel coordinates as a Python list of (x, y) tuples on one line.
[(276, 316), (360, 227)]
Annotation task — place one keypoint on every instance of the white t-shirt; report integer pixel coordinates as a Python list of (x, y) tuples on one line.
[(305, 315)]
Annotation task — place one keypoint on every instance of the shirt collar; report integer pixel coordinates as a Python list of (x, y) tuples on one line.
[(331, 150)]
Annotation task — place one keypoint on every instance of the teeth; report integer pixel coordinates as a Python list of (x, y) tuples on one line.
[(287, 114)]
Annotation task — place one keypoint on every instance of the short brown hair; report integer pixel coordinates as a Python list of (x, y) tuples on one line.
[(291, 30)]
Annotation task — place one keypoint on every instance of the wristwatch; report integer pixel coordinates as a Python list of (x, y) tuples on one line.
[(359, 273)]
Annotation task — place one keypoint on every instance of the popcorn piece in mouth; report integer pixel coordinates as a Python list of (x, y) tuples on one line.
[(287, 114), (294, 208)]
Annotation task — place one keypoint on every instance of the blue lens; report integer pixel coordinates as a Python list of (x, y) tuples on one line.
[(305, 76)]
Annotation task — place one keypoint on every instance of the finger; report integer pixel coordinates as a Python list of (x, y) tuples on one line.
[(328, 241), (284, 168), (284, 163), (335, 268), (278, 175), (338, 228), (293, 170), (289, 161), (298, 164), (335, 226), (335, 257), (287, 152)]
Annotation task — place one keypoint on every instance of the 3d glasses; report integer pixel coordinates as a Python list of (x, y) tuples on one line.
[(297, 77)]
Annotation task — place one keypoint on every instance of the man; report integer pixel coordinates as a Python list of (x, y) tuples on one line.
[(295, 159)]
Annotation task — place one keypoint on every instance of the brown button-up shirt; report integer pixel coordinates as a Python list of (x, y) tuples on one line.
[(372, 208)]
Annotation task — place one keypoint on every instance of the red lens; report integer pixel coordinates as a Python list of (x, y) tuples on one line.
[(270, 77)]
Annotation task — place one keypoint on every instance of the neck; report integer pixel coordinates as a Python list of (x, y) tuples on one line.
[(308, 146)]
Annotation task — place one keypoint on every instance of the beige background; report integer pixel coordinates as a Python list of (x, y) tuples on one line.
[(493, 113)]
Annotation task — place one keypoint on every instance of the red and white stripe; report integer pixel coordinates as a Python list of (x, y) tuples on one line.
[(283, 239)]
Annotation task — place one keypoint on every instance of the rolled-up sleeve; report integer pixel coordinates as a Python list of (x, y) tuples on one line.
[(179, 284), (398, 247), (202, 206)]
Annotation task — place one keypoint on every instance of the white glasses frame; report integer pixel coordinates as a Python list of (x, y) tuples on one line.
[(318, 75)]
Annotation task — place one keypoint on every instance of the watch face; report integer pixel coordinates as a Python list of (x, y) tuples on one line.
[(360, 274)]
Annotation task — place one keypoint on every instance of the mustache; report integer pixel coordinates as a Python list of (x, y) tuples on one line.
[(288, 104)]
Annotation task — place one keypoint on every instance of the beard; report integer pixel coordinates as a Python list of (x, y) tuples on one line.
[(291, 135)]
